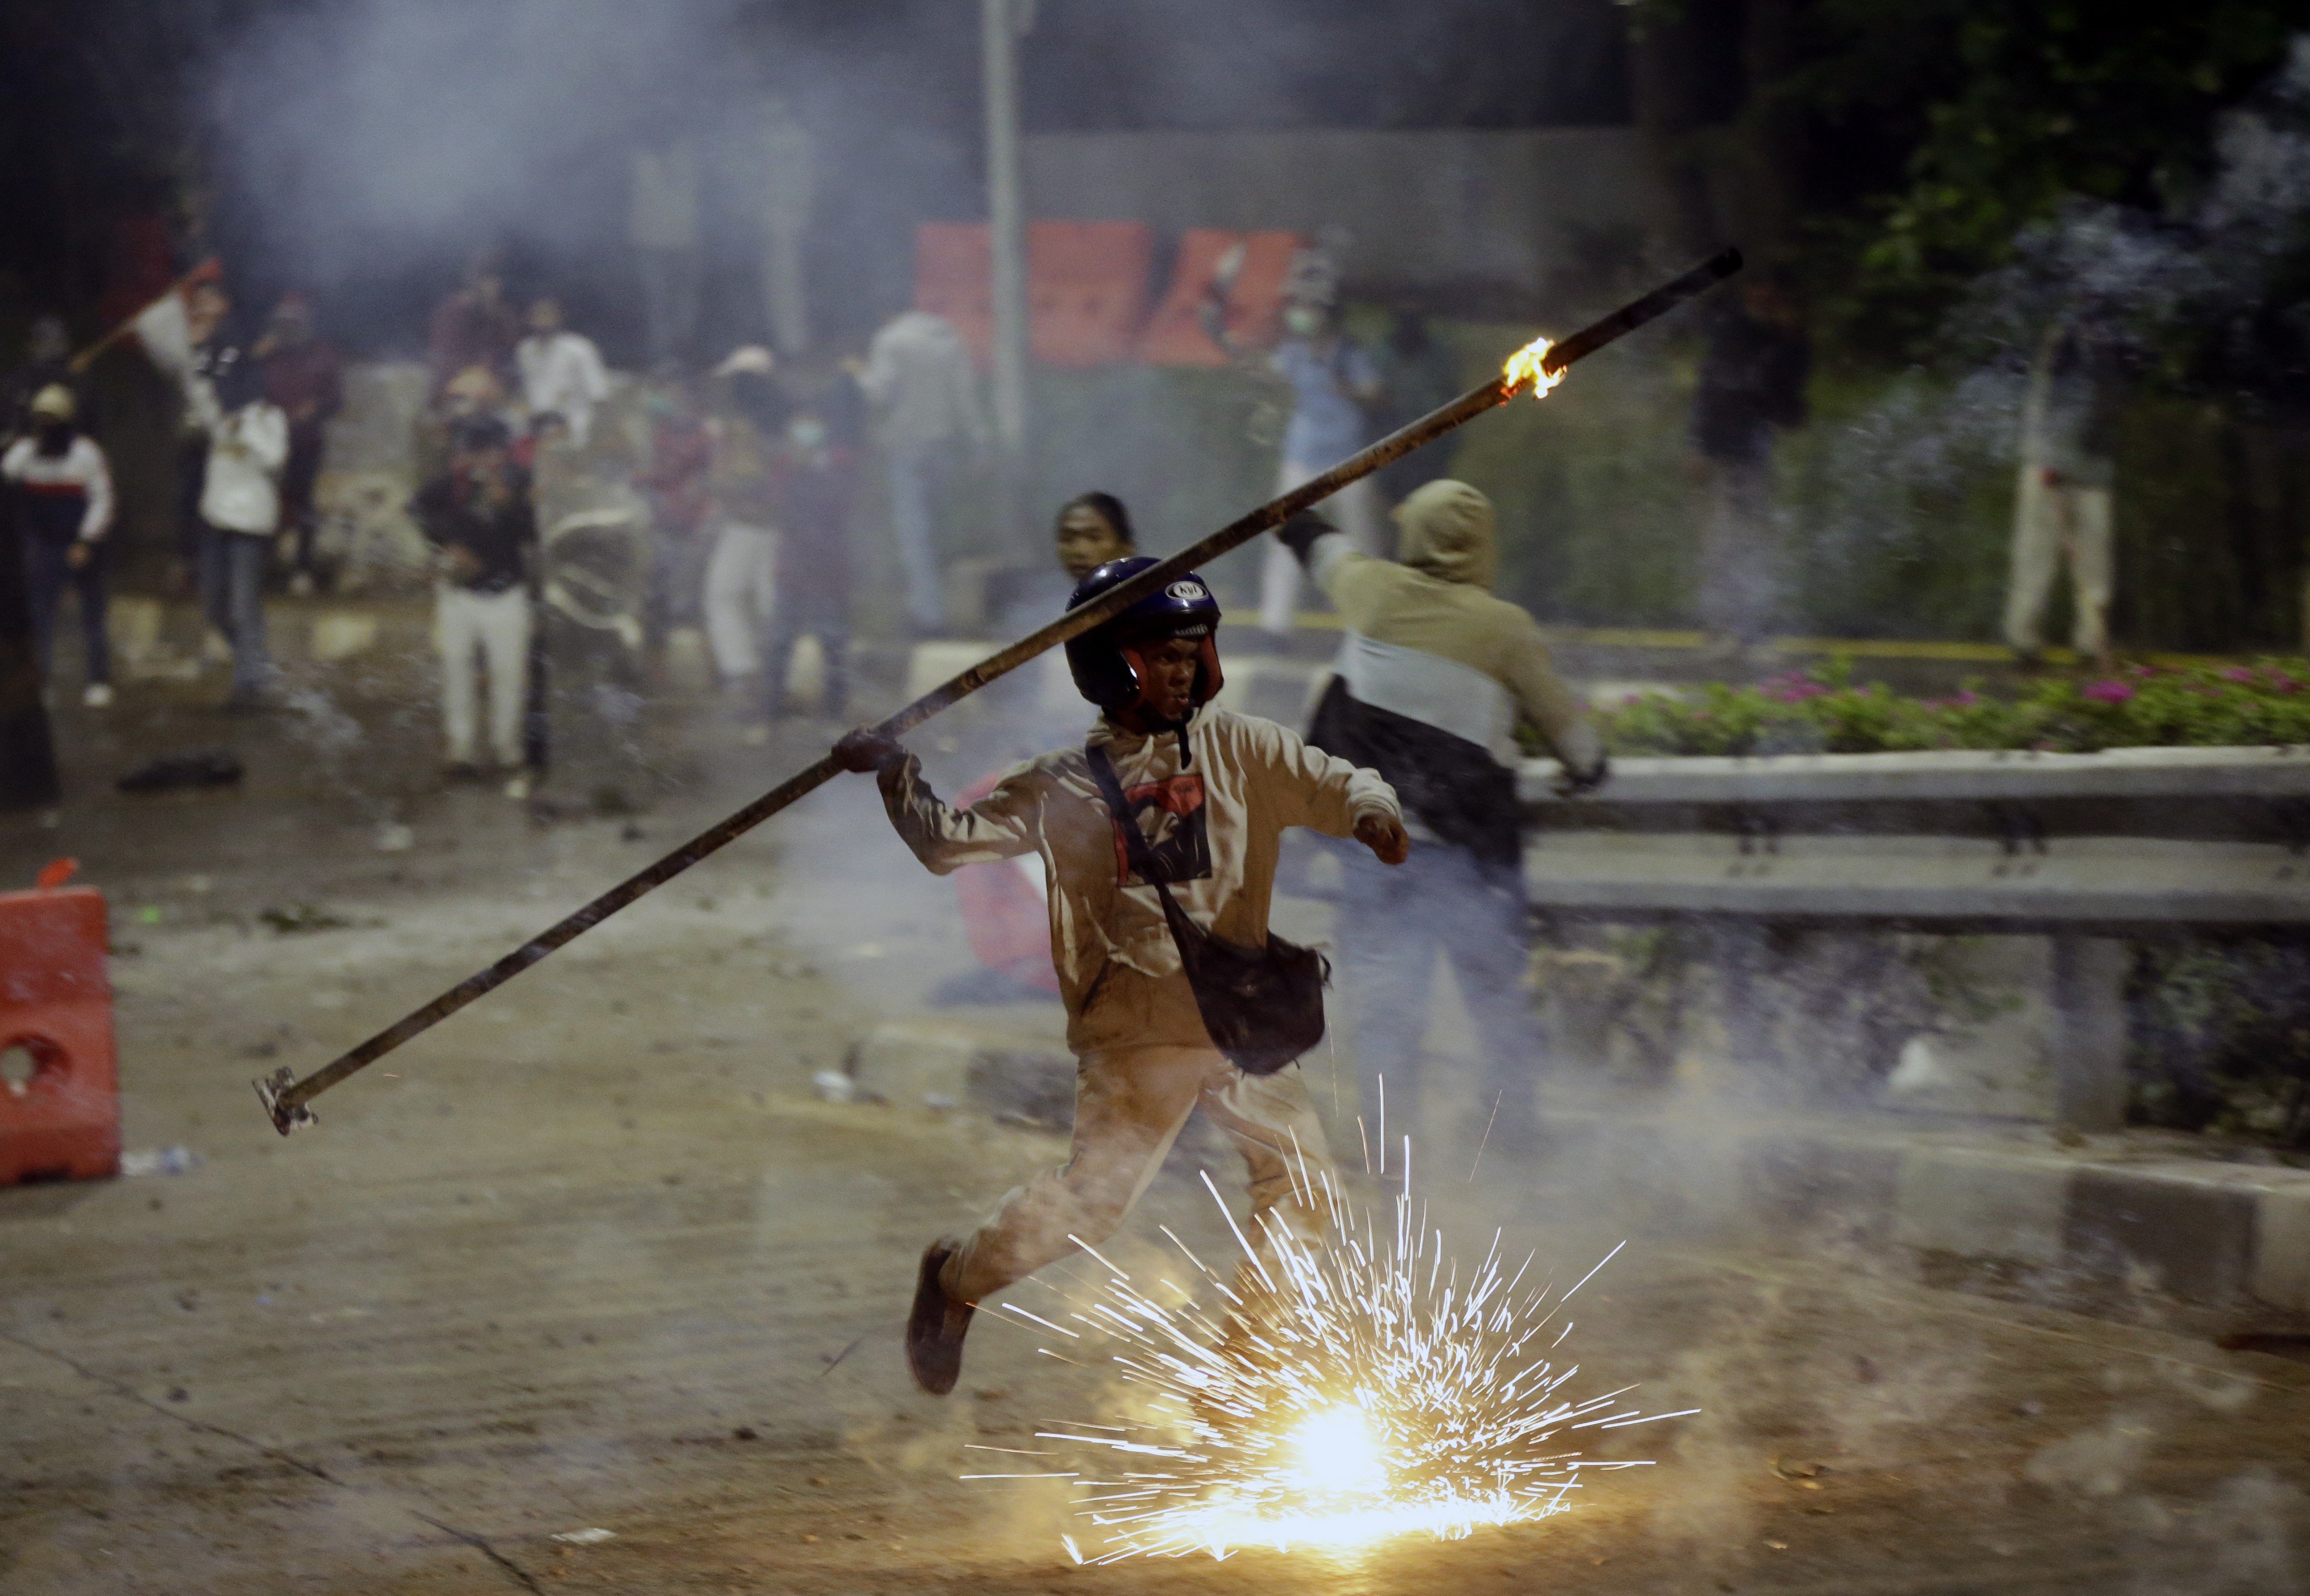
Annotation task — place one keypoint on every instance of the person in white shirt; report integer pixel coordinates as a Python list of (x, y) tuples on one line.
[(241, 510), (63, 508), (562, 371), (918, 375)]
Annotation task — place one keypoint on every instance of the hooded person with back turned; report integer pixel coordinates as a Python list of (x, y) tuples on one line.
[(1432, 679), (1205, 795)]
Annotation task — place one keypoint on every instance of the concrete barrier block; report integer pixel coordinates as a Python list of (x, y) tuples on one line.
[(2190, 1236), (2281, 1248), (1950, 1199), (1807, 1183)]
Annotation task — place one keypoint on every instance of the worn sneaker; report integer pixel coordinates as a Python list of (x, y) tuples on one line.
[(936, 1326), (97, 695)]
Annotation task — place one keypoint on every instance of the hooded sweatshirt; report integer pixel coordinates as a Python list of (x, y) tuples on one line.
[(1435, 674), (1214, 821)]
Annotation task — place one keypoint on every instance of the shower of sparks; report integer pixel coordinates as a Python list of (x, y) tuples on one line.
[(1337, 1390), (1525, 367)]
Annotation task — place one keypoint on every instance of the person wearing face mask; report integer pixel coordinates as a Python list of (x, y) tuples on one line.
[(479, 516), (1172, 808), (1333, 382), (813, 477), (63, 494)]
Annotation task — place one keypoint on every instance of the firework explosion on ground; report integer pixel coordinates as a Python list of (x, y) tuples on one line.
[(1341, 1389)]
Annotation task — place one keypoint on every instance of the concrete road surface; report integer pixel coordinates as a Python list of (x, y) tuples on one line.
[(595, 1257)]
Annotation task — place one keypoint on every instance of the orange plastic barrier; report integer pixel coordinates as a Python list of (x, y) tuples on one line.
[(1087, 291), (1258, 263), (954, 278), (1086, 287), (56, 1004)]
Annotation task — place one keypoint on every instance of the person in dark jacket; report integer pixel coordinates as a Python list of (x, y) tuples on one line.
[(479, 516), (1435, 674), (1752, 387), (63, 508), (304, 375), (813, 478)]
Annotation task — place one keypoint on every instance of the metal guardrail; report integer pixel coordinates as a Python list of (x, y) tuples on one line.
[(2087, 849)]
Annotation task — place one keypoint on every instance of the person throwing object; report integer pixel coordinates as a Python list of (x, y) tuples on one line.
[(1208, 794), (1432, 679)]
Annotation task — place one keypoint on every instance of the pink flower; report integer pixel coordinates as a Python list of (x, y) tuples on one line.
[(2107, 692), (2240, 674), (2280, 681)]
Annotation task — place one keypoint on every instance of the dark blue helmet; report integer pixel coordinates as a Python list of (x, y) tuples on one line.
[(1104, 672)]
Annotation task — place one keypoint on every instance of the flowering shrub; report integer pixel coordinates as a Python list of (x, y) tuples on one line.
[(1822, 711)]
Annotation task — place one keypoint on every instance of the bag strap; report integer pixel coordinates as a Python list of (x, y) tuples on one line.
[(1134, 843)]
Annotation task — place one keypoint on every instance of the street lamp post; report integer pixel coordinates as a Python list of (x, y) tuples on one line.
[(1001, 23)]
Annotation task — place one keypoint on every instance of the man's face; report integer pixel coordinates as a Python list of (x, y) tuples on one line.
[(1167, 672), (1086, 542), (545, 318)]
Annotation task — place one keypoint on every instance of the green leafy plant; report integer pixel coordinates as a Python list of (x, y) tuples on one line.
[(1824, 711)]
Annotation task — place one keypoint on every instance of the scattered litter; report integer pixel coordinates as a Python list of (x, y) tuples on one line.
[(54, 873), (149, 914), (160, 1160), (940, 1103), (302, 917), (208, 768), (586, 1536), (394, 837), (834, 1085)]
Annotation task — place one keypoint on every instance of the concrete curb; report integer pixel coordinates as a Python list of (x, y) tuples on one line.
[(2097, 1218), (2081, 1223)]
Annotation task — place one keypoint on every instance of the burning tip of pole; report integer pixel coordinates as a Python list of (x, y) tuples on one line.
[(285, 1116), (1529, 366)]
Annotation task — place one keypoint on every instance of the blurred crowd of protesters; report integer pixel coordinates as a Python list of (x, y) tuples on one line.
[(732, 484)]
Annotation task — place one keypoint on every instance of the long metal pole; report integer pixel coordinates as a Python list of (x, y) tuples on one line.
[(285, 1097)]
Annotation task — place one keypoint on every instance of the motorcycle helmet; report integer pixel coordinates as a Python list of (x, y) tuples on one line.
[(1104, 661)]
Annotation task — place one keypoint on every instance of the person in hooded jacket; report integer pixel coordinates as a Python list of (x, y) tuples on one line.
[(1431, 680), (1209, 792)]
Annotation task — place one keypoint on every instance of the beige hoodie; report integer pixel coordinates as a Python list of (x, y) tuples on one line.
[(1435, 601), (1217, 821)]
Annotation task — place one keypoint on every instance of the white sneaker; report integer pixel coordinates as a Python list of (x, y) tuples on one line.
[(517, 786), (97, 695)]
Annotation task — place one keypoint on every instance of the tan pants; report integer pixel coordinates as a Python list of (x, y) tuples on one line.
[(2053, 521), (1130, 1104)]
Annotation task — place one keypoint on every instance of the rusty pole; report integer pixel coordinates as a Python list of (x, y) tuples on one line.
[(285, 1097)]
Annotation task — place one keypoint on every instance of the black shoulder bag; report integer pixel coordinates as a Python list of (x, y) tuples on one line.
[(1263, 1006)]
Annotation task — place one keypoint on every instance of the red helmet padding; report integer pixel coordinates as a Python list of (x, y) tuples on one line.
[(1208, 677)]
